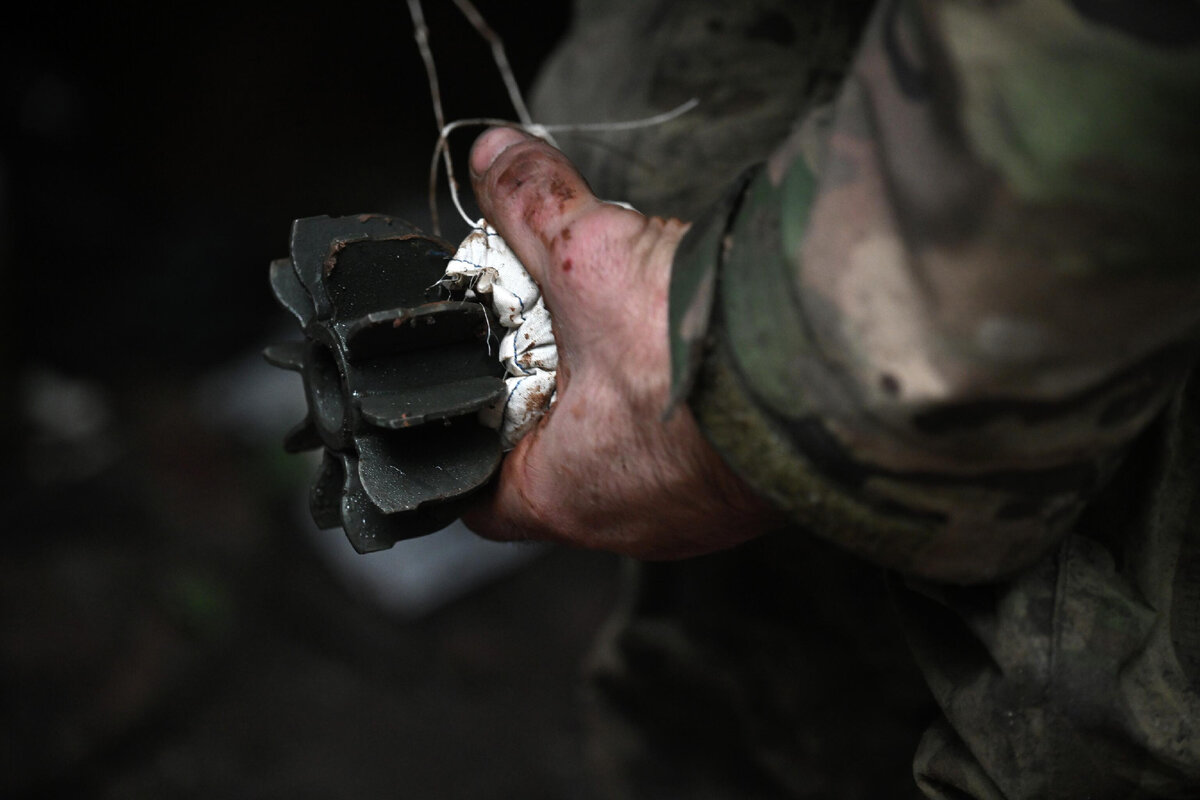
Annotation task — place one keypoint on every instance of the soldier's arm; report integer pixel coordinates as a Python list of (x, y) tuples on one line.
[(928, 328), (931, 325)]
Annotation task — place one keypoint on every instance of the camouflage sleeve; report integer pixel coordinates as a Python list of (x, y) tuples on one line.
[(932, 323)]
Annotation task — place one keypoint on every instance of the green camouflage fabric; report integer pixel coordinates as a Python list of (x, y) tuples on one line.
[(958, 297), (1080, 677), (940, 303)]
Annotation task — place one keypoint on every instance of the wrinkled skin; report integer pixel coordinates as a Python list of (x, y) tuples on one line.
[(603, 469)]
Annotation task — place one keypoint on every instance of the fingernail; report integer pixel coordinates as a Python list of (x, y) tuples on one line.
[(490, 145)]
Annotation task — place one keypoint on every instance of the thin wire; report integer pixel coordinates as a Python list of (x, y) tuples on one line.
[(626, 125), (442, 149), (421, 34), (499, 56), (534, 129)]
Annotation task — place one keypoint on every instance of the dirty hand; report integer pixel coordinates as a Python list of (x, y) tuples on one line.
[(602, 469)]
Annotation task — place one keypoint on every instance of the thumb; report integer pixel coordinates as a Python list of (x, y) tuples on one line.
[(530, 192)]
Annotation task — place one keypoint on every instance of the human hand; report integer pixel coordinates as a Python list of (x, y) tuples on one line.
[(602, 469)]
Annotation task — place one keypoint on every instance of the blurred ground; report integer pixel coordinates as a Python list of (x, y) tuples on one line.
[(167, 627), (167, 630)]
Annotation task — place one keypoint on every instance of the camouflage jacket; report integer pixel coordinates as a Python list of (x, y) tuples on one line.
[(955, 307), (934, 321)]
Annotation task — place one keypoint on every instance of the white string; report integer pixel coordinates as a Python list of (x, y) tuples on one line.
[(499, 56), (540, 131), (442, 149), (627, 125), (421, 34)]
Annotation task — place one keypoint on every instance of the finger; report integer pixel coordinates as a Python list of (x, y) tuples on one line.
[(506, 512), (530, 192)]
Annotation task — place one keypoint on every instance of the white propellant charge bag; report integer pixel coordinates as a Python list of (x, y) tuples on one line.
[(484, 265)]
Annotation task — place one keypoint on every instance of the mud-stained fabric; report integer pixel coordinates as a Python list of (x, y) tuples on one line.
[(1078, 678), (939, 303), (778, 670), (962, 293), (754, 65)]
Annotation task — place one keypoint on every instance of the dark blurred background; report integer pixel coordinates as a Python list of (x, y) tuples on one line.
[(170, 624)]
